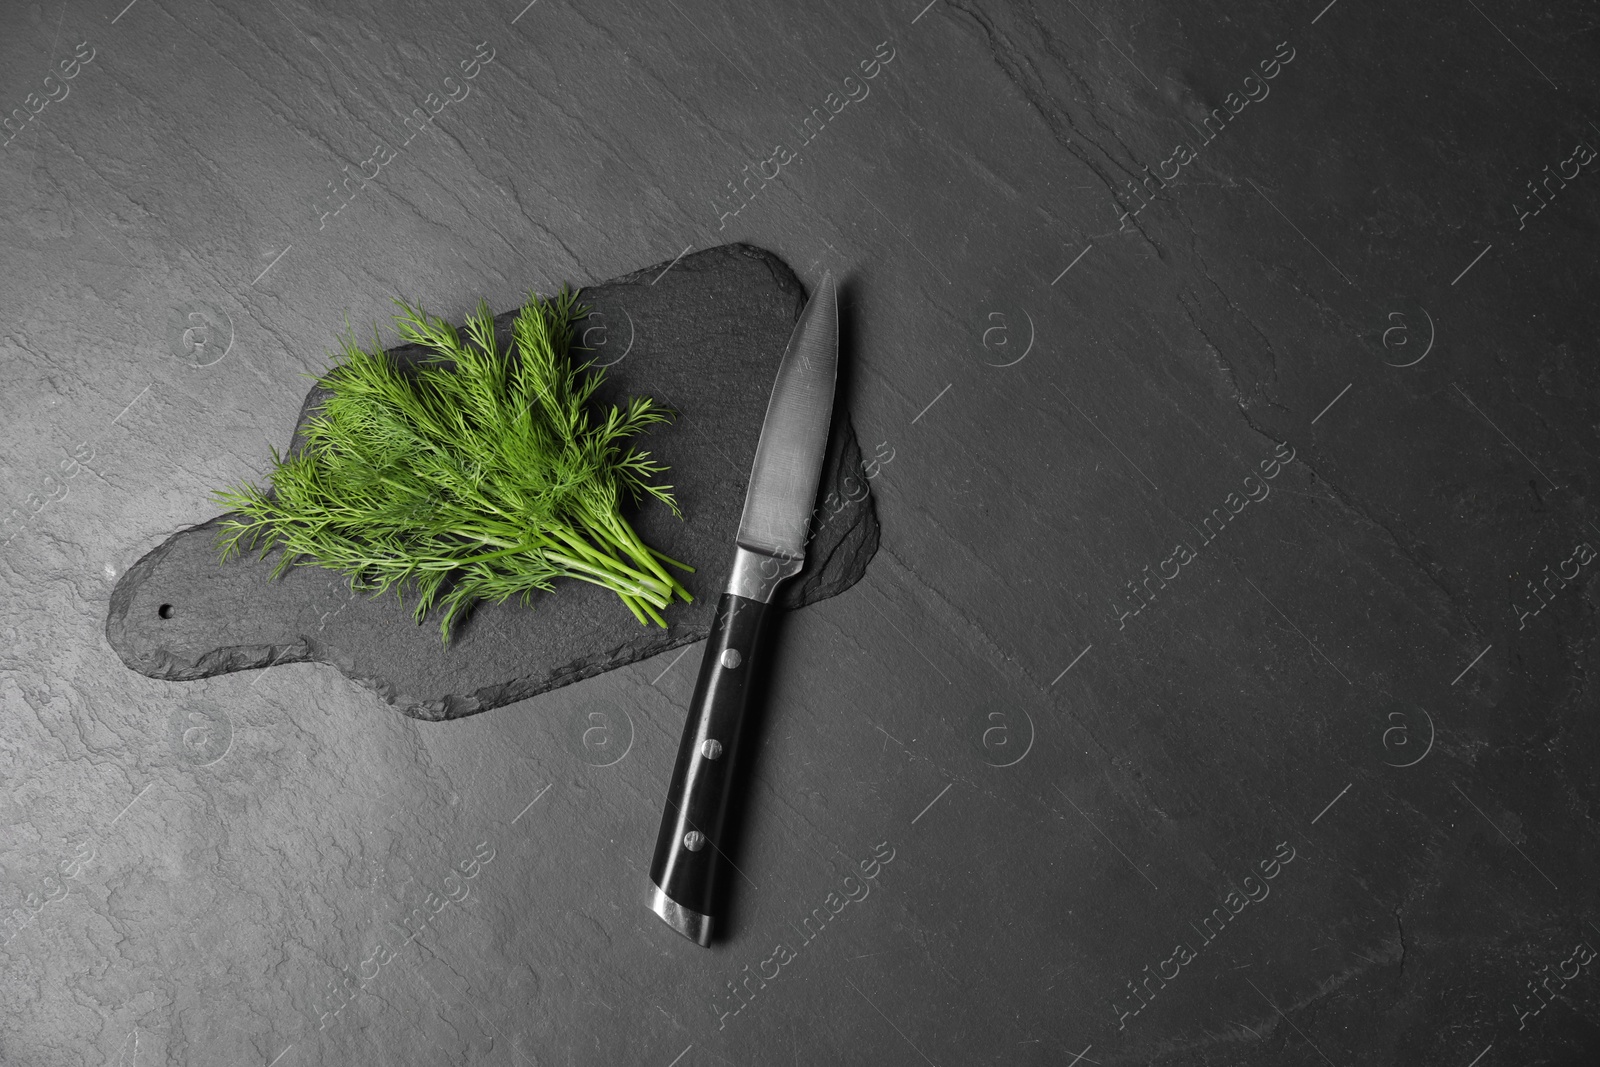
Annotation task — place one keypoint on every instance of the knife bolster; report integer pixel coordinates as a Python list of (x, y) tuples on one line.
[(756, 573)]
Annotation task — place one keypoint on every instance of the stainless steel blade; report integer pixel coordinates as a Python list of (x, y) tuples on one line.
[(788, 463)]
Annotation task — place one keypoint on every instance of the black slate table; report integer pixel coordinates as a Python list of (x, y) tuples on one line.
[(1221, 692)]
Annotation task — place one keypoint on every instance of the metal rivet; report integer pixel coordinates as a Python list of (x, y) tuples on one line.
[(694, 840), (711, 748), (731, 658)]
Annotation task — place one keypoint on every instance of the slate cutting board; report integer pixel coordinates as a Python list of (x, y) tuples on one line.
[(705, 338)]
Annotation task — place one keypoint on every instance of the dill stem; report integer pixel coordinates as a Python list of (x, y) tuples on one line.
[(603, 583), (667, 587), (618, 576), (623, 535), (669, 559), (612, 580), (452, 564), (473, 534), (633, 607), (654, 615), (578, 544)]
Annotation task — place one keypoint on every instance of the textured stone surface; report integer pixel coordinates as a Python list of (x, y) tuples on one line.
[(704, 335), (1074, 377)]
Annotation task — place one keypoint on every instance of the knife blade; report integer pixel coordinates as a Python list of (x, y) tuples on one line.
[(769, 548)]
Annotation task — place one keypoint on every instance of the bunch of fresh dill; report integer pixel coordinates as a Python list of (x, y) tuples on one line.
[(484, 479)]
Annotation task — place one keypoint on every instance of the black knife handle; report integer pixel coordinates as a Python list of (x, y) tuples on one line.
[(689, 847)]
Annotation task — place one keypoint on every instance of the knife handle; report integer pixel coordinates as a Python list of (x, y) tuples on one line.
[(689, 846)]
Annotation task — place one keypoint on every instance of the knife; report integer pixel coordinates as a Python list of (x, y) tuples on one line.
[(770, 548)]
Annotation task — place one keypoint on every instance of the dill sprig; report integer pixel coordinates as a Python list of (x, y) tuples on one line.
[(475, 481)]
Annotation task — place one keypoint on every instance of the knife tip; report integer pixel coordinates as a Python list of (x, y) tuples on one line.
[(825, 297)]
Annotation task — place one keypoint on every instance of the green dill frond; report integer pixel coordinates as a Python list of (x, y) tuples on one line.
[(479, 473)]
